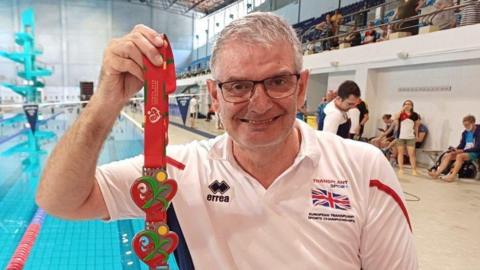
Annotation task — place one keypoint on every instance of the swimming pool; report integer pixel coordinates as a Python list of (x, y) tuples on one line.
[(61, 244)]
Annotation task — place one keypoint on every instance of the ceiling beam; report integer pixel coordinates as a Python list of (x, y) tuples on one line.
[(194, 5), (171, 4)]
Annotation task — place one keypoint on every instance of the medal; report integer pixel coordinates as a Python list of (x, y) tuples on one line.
[(154, 191)]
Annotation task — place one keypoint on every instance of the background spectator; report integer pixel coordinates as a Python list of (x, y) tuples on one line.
[(326, 28), (194, 106), (336, 20), (210, 113), (384, 32), (354, 115), (354, 38), (336, 118), (471, 13), (386, 134), (329, 96), (467, 150), (370, 35), (444, 19), (301, 112), (421, 135), (363, 109), (408, 122), (405, 10)]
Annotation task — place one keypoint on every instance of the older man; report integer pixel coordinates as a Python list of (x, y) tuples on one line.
[(467, 150), (291, 197)]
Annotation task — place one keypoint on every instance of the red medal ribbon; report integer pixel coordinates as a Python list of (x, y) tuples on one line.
[(160, 81), (154, 191)]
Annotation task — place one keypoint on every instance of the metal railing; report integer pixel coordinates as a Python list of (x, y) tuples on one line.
[(352, 15), (366, 10), (427, 21)]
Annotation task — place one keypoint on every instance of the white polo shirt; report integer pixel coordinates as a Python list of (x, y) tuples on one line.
[(354, 115), (339, 206), (334, 118)]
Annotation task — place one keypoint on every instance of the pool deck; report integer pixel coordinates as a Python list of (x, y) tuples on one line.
[(445, 219)]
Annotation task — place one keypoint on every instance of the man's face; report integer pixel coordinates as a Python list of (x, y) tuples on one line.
[(348, 103), (260, 121), (468, 125)]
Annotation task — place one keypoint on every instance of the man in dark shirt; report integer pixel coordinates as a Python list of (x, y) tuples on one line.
[(363, 108)]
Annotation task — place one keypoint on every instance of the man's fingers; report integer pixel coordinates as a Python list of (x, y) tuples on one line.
[(128, 49), (146, 47), (142, 40), (157, 39), (126, 54), (122, 65)]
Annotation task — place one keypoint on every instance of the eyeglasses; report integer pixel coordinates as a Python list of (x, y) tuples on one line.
[(275, 87)]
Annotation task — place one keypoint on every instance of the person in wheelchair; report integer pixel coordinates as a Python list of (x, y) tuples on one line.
[(468, 150)]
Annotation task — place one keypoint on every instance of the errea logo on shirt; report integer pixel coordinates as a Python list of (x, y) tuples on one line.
[(218, 189)]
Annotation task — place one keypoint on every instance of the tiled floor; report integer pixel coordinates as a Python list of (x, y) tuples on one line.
[(446, 221)]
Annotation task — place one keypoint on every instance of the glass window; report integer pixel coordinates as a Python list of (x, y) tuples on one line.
[(259, 2)]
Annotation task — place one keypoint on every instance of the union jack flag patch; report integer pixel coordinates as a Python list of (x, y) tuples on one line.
[(329, 199)]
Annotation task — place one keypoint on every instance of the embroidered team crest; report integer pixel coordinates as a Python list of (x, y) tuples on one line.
[(329, 199)]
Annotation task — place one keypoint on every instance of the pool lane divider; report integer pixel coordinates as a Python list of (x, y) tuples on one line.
[(40, 122), (17, 262), (21, 253), (8, 138), (14, 119)]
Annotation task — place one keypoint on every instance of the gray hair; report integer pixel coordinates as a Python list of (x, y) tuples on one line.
[(259, 28)]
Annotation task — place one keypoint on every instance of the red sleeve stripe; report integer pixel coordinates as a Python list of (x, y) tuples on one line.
[(381, 186)]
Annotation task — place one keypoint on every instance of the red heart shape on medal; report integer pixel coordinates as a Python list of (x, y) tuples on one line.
[(147, 193), (171, 190), (153, 249)]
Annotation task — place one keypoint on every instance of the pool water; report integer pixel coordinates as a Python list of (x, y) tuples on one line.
[(60, 244)]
